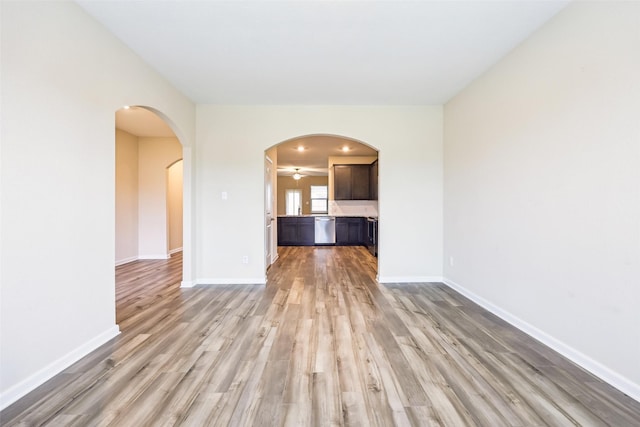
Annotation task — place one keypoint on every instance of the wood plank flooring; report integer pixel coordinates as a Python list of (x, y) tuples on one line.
[(321, 345)]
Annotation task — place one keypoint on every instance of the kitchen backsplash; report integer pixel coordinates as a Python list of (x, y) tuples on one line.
[(353, 208)]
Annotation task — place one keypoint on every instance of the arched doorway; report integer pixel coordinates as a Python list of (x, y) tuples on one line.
[(175, 206), (303, 185), (149, 187)]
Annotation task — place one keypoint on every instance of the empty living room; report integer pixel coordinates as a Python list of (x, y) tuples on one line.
[(490, 273)]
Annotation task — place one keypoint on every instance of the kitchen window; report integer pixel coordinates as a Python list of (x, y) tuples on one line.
[(319, 203), (293, 202)]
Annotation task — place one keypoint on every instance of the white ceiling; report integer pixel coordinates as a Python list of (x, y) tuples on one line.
[(321, 52), (317, 149), (142, 122)]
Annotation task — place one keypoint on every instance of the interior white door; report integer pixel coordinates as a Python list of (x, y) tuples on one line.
[(268, 211)]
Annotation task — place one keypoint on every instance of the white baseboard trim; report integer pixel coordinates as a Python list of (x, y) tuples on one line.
[(159, 256), (219, 281), (126, 260), (409, 279), (30, 383), (147, 257), (606, 374), (232, 281)]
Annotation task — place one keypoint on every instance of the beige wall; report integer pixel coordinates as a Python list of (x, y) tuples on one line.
[(231, 145), (148, 197), (126, 197), (155, 156), (304, 184), (63, 78), (174, 205), (542, 188)]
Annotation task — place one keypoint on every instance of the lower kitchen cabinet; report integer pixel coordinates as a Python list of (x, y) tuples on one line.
[(296, 231), (287, 231), (350, 231), (306, 231), (300, 231)]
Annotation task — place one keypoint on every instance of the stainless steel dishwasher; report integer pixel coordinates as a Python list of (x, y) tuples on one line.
[(325, 230)]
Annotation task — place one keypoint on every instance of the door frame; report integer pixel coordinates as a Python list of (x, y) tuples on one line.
[(268, 212)]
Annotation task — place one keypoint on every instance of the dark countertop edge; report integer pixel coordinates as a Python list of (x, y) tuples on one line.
[(321, 215)]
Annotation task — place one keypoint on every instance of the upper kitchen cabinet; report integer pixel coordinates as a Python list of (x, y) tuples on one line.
[(373, 180), (355, 182), (351, 182)]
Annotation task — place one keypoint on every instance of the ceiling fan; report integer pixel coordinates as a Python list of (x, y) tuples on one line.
[(301, 172)]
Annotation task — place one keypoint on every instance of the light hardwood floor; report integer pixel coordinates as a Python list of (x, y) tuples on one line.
[(321, 344)]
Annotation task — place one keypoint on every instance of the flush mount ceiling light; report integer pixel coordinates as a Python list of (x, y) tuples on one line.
[(345, 148), (300, 148)]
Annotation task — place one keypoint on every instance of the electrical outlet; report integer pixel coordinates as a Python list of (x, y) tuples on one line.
[(245, 259)]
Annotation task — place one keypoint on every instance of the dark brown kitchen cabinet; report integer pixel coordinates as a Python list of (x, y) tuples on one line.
[(306, 231), (342, 182), (350, 231), (351, 182), (373, 180), (296, 231), (287, 231)]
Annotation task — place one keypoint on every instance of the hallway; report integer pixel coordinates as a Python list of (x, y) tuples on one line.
[(321, 344)]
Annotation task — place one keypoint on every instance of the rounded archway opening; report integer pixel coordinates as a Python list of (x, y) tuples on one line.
[(148, 191), (305, 183)]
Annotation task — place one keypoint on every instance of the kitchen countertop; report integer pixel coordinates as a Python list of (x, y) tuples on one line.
[(314, 215)]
